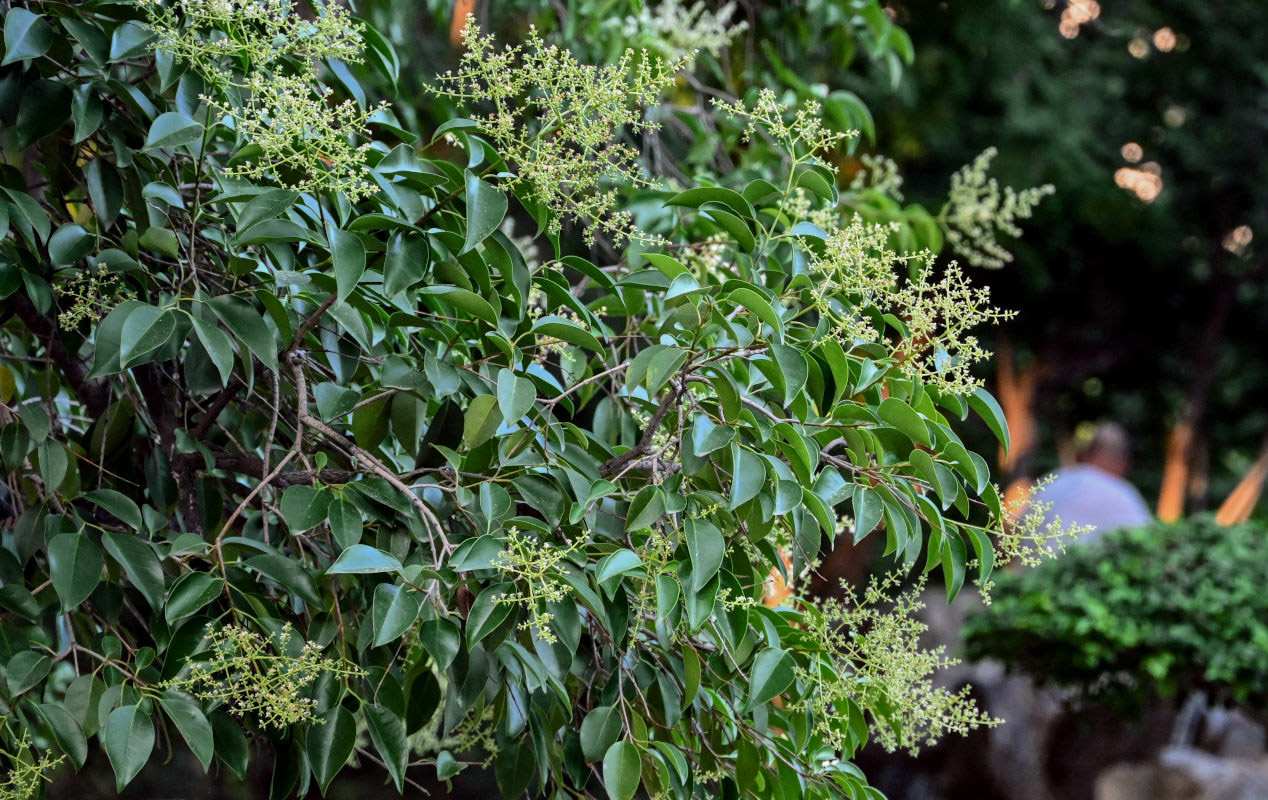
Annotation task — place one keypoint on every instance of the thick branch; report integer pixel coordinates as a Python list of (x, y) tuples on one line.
[(93, 393)]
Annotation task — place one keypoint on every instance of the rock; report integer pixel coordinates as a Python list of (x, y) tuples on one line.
[(1232, 734), (1186, 773)]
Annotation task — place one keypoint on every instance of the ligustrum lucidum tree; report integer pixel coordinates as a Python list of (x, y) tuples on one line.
[(306, 459)]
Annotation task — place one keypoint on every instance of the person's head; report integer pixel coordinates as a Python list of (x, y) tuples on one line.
[(1109, 449)]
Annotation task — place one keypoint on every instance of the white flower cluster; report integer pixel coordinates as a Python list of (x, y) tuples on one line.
[(976, 209), (245, 674), (677, 30), (266, 52), (557, 122)]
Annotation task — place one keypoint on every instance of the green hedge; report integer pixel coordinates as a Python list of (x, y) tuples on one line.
[(1166, 608)]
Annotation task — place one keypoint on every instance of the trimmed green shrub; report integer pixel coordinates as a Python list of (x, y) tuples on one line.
[(1164, 608)]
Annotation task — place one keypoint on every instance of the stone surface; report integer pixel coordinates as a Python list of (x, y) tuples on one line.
[(1186, 773)]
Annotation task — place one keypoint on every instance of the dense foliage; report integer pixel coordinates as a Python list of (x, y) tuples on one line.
[(1157, 609), (308, 457)]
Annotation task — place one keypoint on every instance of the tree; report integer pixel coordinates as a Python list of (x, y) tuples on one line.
[(298, 441)]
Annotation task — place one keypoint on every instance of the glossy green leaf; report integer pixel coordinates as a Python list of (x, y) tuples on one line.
[(622, 770), (75, 562), (128, 739), (172, 129), (988, 408), (304, 507), (218, 345), (486, 208), (749, 476), (482, 420), (515, 395), (189, 593), (146, 330), (771, 676), (69, 244), (189, 719), (361, 559), (348, 253), (405, 263), (464, 300), (393, 612), (67, 732), (287, 573), (25, 670), (707, 547), (896, 413), (141, 563), (247, 326), (387, 731), (26, 36), (329, 743)]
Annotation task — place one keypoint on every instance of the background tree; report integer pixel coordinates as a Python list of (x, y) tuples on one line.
[(299, 442)]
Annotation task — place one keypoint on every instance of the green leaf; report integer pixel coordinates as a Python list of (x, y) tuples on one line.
[(515, 395), (706, 436), (757, 305), (771, 676), (387, 731), (172, 129), (190, 592), (405, 263), (394, 610), (348, 253), (599, 731), (477, 553), (218, 345), (486, 207), (345, 523), (486, 615), (287, 573), (230, 743), (897, 414), (188, 716), (67, 731), (118, 504), (707, 547), (247, 324), (329, 743), (749, 477), (26, 670), (128, 738), (694, 198), (141, 563), (267, 205), (75, 562), (464, 300), (304, 507), (161, 240), (361, 559), (868, 510), (793, 364), (988, 408), (622, 770), (482, 420), (26, 36), (146, 330), (616, 564), (130, 39), (69, 244), (567, 331)]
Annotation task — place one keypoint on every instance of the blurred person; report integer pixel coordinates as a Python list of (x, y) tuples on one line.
[(1094, 492)]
